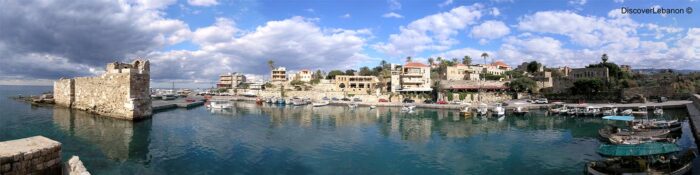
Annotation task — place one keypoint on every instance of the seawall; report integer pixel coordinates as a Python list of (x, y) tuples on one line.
[(33, 155), (694, 116)]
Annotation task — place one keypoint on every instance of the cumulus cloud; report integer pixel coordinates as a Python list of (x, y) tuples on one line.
[(490, 30), (76, 36), (222, 30), (445, 3), (392, 15), (495, 11), (203, 3), (432, 32), (295, 43)]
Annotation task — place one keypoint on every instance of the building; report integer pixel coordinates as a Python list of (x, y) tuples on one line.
[(415, 77), (626, 68), (563, 83), (355, 84), (496, 68), (462, 72), (230, 80), (304, 75), (123, 91), (279, 75)]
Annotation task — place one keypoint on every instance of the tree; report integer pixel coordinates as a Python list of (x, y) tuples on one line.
[(467, 60), (587, 86), (521, 84), (409, 59), (296, 83), (350, 72), (533, 66), (364, 71), (271, 64), (383, 63), (333, 73), (431, 61), (454, 61), (484, 55), (604, 57), (318, 75)]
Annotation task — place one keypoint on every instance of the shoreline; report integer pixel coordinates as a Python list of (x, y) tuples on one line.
[(676, 104)]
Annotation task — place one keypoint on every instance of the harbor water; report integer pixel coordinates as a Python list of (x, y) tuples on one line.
[(270, 139)]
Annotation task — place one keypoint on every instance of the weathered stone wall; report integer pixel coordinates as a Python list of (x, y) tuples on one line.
[(75, 167), (63, 91), (122, 92), (33, 155)]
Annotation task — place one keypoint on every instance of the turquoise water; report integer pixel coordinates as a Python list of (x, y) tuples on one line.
[(253, 139)]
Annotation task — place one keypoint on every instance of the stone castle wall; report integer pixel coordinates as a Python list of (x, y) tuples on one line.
[(122, 92)]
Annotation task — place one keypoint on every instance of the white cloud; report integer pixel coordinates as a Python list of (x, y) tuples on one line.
[(432, 32), (446, 3), (222, 31), (347, 15), (490, 30), (155, 4), (618, 1), (495, 11), (295, 43), (392, 15), (203, 3), (394, 5), (577, 2)]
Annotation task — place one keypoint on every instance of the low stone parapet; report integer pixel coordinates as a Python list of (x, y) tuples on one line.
[(75, 167), (33, 155)]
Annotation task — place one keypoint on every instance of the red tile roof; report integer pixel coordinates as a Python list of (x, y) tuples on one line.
[(415, 64), (500, 63)]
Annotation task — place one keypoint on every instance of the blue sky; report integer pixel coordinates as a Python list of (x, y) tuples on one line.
[(193, 41)]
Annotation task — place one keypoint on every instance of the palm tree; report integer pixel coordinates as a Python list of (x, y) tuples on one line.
[(383, 63), (431, 61), (467, 60), (484, 55), (409, 59), (271, 64), (604, 58), (439, 59)]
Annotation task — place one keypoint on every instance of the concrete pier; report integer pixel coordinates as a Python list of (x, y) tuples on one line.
[(161, 105), (33, 155), (694, 116)]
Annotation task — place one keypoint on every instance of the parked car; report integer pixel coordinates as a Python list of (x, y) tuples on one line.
[(356, 100), (335, 99), (408, 100), (441, 102), (428, 101), (345, 99), (381, 100), (541, 101)]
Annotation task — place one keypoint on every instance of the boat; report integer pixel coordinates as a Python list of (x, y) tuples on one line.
[(641, 125), (626, 112), (557, 107), (169, 96), (609, 110), (259, 101), (408, 108), (298, 102), (572, 111), (498, 110), (641, 110), (482, 110), (319, 104), (646, 158), (580, 111), (633, 140), (220, 104), (564, 110), (519, 110), (658, 111), (611, 131), (281, 101), (466, 111), (372, 107), (269, 100)]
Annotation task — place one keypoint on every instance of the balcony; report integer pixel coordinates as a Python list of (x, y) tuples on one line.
[(412, 80)]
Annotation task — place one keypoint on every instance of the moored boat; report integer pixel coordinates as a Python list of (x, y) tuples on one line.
[(219, 104), (658, 111), (498, 110), (319, 104), (646, 158), (482, 110)]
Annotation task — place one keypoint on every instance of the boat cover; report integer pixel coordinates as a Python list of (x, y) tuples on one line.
[(644, 149), (622, 118)]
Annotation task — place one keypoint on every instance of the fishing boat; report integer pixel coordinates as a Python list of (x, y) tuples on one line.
[(641, 110), (298, 102), (658, 111), (609, 110), (626, 112), (633, 140), (219, 104), (281, 101), (408, 108), (520, 110), (498, 110), (319, 104), (641, 125), (564, 110), (612, 131), (269, 100), (372, 107), (646, 158), (259, 101), (572, 111), (556, 108), (580, 111), (466, 111), (482, 110)]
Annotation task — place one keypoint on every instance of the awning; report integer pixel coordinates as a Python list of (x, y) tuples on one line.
[(621, 118), (637, 150)]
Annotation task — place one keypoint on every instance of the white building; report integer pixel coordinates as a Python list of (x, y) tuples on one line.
[(412, 77)]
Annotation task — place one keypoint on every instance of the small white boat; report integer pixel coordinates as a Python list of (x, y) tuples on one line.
[(408, 108), (641, 110), (556, 109), (220, 104), (658, 111), (319, 104), (498, 110), (482, 110), (627, 112), (572, 111), (519, 110), (372, 107), (466, 111), (609, 110)]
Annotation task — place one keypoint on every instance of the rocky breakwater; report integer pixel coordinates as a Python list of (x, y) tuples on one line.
[(33, 155)]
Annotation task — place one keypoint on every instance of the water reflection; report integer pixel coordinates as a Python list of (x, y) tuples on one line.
[(117, 139)]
